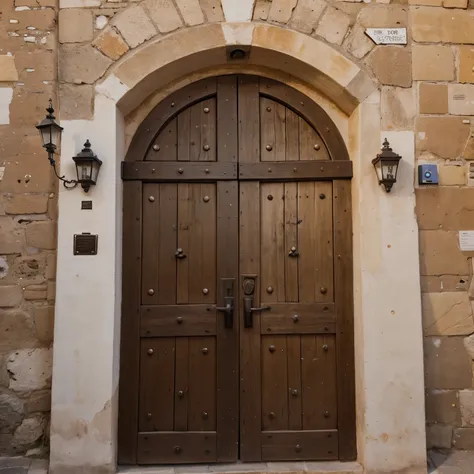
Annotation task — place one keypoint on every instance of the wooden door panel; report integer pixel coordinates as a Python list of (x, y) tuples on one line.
[(157, 375), (311, 145), (290, 229), (290, 354), (159, 243), (202, 384), (250, 365), (165, 145), (274, 383), (239, 195), (197, 132), (315, 242), (181, 395), (272, 130), (293, 345), (196, 271), (150, 243), (272, 240), (318, 377)]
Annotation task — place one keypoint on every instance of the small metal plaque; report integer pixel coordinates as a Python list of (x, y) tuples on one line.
[(85, 244), (87, 205)]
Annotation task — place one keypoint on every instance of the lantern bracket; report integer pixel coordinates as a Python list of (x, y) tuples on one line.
[(68, 183)]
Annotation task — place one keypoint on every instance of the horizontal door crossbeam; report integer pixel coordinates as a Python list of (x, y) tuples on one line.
[(298, 318), (177, 320), (163, 171), (169, 447), (175, 171), (299, 445), (295, 170)]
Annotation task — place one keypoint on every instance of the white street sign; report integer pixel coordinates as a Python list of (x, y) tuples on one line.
[(466, 240), (387, 35)]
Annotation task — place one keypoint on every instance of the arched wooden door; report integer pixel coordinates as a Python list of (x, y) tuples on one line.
[(237, 328)]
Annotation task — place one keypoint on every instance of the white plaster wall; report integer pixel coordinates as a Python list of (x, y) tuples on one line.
[(389, 351), (87, 318)]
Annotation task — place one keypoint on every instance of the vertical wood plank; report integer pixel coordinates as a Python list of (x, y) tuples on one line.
[(272, 130), (228, 339), (267, 130), (293, 344), (183, 238), (318, 381), (184, 135), (311, 144), (280, 132), (227, 132), (249, 120), (202, 144), (227, 267), (130, 327), (202, 384), (327, 373), (274, 383), (309, 378), (165, 147), (151, 243), (291, 240), (344, 297), (250, 381), (273, 254), (324, 257), (181, 390), (157, 384), (201, 254), (315, 242), (167, 243), (292, 136), (307, 234)]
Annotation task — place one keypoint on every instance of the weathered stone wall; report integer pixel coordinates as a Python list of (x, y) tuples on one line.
[(27, 225), (443, 75), (426, 87)]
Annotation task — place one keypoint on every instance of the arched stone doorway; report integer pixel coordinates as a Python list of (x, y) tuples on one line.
[(237, 195), (388, 348)]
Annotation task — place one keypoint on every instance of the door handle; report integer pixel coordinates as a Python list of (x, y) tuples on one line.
[(228, 311), (248, 311)]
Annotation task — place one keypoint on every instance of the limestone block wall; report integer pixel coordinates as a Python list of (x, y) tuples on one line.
[(443, 77), (27, 225)]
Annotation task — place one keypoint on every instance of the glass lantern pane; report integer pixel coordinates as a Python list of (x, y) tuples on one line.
[(55, 135), (95, 171), (46, 135), (390, 170), (84, 170), (378, 169)]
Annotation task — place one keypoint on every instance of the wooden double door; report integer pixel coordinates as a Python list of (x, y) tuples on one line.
[(237, 328)]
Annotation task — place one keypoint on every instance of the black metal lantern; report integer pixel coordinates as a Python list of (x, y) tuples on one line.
[(50, 130), (87, 163), (386, 166), (87, 166)]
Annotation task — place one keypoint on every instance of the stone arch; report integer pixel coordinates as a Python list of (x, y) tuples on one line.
[(163, 60)]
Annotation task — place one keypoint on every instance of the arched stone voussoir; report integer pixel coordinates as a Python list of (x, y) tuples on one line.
[(166, 59)]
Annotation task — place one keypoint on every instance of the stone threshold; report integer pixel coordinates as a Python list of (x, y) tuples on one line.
[(21, 465), (332, 467)]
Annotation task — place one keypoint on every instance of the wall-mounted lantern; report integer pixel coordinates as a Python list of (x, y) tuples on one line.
[(87, 163), (386, 166)]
